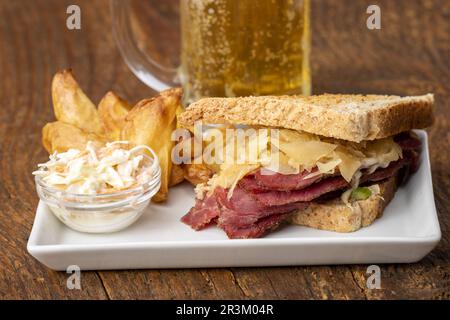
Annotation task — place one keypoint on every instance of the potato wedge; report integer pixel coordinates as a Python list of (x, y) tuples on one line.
[(197, 173), (176, 175), (72, 106), (112, 111), (59, 136), (151, 122), (166, 169)]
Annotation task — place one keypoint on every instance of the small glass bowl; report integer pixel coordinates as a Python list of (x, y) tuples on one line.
[(100, 213)]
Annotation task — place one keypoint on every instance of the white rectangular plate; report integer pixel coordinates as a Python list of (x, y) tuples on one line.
[(407, 231)]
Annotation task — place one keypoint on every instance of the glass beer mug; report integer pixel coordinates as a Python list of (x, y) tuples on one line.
[(221, 48)]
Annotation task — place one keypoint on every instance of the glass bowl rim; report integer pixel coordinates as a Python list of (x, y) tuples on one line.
[(141, 188)]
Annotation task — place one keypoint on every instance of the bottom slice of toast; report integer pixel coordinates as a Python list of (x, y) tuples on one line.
[(334, 215)]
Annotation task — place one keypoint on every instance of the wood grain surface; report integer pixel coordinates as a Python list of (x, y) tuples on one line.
[(409, 55)]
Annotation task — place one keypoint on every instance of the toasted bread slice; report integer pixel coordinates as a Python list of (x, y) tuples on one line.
[(341, 116), (336, 216)]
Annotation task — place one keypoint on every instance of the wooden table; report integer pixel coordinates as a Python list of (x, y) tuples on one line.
[(409, 55)]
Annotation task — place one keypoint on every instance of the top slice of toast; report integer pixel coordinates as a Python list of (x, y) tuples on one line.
[(341, 116)]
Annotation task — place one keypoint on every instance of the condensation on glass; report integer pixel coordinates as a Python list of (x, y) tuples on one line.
[(239, 48), (228, 47)]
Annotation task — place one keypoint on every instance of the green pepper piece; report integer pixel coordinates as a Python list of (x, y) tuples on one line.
[(361, 193)]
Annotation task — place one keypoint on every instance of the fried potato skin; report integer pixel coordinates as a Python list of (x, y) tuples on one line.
[(72, 106), (176, 175), (151, 122), (112, 111), (197, 173), (59, 136)]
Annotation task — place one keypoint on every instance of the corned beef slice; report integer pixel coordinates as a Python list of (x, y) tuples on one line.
[(283, 182), (241, 216), (256, 230), (277, 198), (406, 142), (243, 209), (260, 203), (202, 214)]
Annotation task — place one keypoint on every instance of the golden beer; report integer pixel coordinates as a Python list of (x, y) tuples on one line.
[(244, 47)]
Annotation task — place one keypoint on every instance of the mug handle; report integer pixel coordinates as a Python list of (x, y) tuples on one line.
[(150, 72)]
